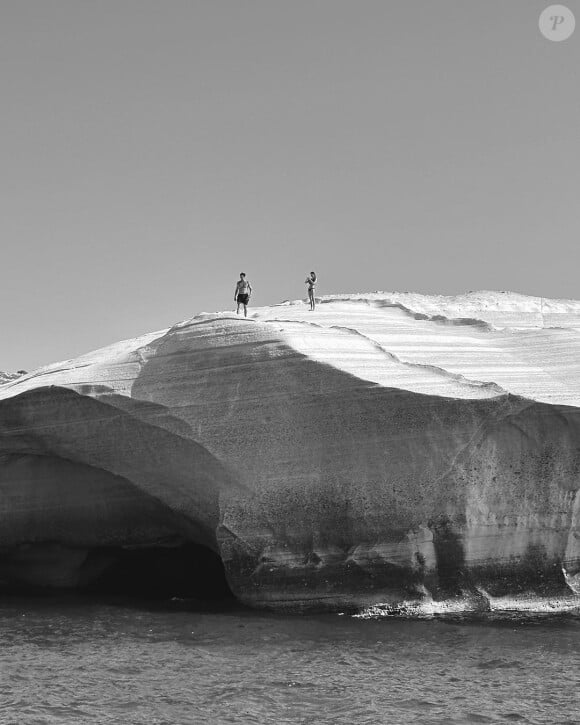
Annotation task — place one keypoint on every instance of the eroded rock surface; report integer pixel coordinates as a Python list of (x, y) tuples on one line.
[(383, 449), (7, 377)]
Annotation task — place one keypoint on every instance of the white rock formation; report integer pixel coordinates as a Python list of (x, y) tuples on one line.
[(385, 448), (7, 377)]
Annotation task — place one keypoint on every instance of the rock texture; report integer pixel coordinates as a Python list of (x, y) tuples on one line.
[(386, 448), (7, 377)]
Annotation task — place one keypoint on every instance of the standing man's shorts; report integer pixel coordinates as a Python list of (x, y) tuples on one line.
[(243, 299)]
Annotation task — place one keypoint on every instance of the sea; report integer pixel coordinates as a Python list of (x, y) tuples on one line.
[(71, 660)]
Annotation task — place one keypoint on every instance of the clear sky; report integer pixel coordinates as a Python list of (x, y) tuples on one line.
[(152, 150)]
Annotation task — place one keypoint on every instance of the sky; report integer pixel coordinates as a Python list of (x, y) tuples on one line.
[(151, 151)]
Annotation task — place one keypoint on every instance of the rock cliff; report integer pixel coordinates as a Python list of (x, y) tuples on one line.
[(386, 448)]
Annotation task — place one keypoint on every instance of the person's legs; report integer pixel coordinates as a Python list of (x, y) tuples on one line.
[(245, 309)]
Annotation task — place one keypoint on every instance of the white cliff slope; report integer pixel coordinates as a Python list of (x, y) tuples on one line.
[(387, 447)]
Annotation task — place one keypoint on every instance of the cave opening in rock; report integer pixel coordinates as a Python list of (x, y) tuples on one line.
[(189, 571)]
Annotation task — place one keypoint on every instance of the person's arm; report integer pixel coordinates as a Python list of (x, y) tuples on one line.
[(250, 290), (236, 291)]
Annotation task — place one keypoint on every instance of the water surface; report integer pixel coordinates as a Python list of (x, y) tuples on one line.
[(77, 661)]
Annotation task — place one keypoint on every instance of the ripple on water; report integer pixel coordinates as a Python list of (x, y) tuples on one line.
[(498, 664)]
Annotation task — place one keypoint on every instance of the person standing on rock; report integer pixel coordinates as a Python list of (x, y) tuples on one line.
[(243, 293), (311, 282)]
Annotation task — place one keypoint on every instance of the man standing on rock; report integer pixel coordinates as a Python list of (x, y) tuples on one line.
[(243, 293)]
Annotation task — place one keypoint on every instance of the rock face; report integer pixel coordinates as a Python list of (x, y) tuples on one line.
[(386, 448)]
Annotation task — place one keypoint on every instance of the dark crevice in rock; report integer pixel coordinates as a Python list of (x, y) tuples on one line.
[(188, 571), (450, 579)]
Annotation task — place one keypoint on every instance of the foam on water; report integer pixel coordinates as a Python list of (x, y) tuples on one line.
[(528, 603), (497, 605)]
